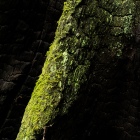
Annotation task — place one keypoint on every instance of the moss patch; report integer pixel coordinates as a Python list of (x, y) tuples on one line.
[(80, 32), (42, 107)]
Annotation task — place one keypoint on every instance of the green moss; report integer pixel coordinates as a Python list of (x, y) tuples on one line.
[(74, 81), (66, 21), (42, 107), (69, 56), (120, 22)]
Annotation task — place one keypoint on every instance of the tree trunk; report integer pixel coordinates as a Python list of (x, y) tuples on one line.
[(89, 86)]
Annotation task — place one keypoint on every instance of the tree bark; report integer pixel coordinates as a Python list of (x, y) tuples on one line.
[(89, 86)]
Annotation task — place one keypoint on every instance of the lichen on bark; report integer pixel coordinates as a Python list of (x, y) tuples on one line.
[(79, 33)]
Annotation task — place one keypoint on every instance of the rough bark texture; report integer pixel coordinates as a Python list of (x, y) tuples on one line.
[(27, 28), (90, 79), (108, 103), (89, 86)]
